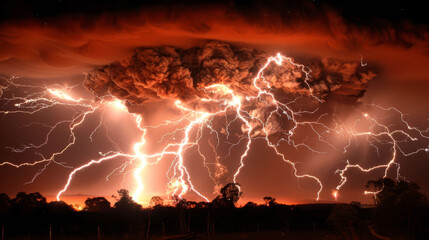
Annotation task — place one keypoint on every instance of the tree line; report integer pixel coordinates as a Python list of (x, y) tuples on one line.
[(401, 211)]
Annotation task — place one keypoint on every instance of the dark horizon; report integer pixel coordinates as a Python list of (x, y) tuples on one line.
[(220, 218)]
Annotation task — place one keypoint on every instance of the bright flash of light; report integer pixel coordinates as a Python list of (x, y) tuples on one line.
[(77, 207), (335, 194), (118, 105), (61, 94), (257, 113)]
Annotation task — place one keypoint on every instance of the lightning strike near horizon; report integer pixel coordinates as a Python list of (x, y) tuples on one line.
[(223, 115)]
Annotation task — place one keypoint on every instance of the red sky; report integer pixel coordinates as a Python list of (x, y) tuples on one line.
[(61, 49)]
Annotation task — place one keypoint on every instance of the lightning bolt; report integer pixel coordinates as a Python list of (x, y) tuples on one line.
[(392, 136), (258, 114)]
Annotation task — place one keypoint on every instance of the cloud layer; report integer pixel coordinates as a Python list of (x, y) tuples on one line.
[(153, 73), (66, 45)]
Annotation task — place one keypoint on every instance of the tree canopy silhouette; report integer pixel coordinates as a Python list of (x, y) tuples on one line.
[(156, 201), (31, 199), (270, 201), (229, 195), (97, 204), (125, 202), (399, 193), (30, 203), (398, 204), (59, 207)]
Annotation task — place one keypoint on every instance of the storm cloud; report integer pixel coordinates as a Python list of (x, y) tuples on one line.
[(154, 73)]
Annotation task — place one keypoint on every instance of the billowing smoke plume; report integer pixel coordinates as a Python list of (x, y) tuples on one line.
[(154, 73)]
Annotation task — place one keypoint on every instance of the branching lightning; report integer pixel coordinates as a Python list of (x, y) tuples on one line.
[(257, 114)]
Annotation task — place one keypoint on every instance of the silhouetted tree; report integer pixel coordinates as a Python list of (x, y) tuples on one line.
[(30, 200), (125, 202), (59, 207), (231, 194), (397, 204), (97, 204), (270, 201), (179, 202), (31, 203), (156, 201)]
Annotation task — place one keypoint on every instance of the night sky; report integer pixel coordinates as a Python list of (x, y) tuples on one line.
[(365, 59)]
